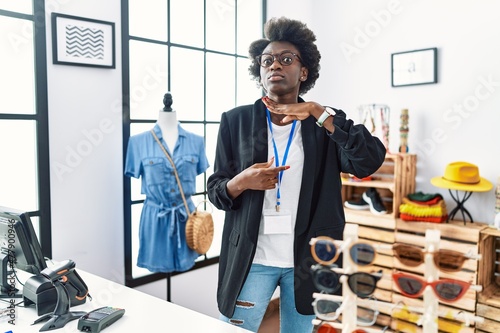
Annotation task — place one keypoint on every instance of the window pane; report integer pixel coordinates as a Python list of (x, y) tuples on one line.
[(186, 22), (247, 90), (136, 218), (135, 183), (186, 73), (148, 79), (249, 24), (197, 129), (148, 21), (20, 6), (220, 26), (18, 167), (220, 85), (211, 144), (17, 93)]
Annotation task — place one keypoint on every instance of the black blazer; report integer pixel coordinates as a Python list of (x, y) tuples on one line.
[(242, 142)]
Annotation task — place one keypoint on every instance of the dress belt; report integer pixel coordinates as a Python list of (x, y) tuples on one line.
[(177, 214)]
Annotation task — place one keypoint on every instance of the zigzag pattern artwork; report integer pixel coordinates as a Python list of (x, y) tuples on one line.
[(84, 42)]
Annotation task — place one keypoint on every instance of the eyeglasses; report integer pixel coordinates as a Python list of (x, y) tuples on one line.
[(445, 260), (285, 58), (325, 250), (327, 307), (361, 283), (446, 290)]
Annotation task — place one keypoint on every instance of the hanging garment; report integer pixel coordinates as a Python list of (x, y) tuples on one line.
[(162, 234)]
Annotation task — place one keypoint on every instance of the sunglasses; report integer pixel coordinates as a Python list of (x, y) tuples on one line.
[(445, 260), (327, 307), (448, 324), (446, 290), (362, 284), (331, 327), (415, 315), (326, 251)]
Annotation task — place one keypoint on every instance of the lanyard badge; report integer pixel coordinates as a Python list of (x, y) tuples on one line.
[(278, 221)]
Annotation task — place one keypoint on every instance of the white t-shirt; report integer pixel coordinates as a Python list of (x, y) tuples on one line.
[(277, 249)]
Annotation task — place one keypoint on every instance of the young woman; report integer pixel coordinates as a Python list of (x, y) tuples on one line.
[(277, 177)]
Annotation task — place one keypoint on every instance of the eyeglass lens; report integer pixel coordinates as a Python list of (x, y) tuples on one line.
[(449, 261), (362, 284), (448, 290), (326, 251), (362, 254), (326, 280), (366, 316), (326, 309)]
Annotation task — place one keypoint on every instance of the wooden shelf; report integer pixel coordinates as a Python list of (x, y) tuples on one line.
[(393, 180), (370, 183)]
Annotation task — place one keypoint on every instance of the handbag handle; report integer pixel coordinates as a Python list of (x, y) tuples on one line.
[(175, 170)]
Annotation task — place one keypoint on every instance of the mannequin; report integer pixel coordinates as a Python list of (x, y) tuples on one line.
[(167, 121), (162, 237)]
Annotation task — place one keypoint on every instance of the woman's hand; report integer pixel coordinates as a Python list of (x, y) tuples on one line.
[(260, 176), (296, 111)]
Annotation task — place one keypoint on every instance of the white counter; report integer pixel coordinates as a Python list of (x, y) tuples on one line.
[(143, 313)]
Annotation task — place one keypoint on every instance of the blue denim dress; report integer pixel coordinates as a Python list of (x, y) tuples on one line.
[(162, 235)]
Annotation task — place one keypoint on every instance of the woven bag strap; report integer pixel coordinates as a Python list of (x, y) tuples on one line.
[(175, 170)]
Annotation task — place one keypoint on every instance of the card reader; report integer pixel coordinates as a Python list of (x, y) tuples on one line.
[(98, 319)]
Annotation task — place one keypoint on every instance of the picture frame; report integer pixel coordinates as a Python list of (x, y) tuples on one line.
[(81, 41), (414, 67)]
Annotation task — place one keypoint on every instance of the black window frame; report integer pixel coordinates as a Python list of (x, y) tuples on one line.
[(41, 119), (130, 281)]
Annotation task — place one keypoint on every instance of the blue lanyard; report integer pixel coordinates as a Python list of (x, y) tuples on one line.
[(276, 157)]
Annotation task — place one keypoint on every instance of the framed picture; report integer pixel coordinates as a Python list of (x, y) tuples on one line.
[(414, 67), (81, 41)]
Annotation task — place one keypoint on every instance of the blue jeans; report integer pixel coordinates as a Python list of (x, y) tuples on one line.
[(256, 293)]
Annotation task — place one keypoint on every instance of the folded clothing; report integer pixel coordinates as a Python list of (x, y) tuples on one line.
[(436, 210), (433, 219), (425, 197), (423, 207)]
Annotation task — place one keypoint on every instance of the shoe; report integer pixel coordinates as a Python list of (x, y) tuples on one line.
[(372, 197), (357, 205)]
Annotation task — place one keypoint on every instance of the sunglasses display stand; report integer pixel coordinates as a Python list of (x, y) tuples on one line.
[(349, 313), (430, 323), (349, 299)]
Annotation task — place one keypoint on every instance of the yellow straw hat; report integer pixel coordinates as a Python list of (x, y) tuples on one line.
[(462, 176)]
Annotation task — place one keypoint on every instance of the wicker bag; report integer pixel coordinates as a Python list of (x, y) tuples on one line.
[(200, 230), (199, 225)]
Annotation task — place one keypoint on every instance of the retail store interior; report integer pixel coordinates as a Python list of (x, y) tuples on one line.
[(447, 114)]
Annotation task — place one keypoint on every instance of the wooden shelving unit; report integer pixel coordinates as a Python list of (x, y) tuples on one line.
[(393, 180), (488, 304)]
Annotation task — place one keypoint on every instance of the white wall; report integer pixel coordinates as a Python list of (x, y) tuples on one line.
[(85, 125), (87, 203), (453, 120)]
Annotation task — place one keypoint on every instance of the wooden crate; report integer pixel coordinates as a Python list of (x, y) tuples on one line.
[(488, 305), (393, 180), (454, 235)]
